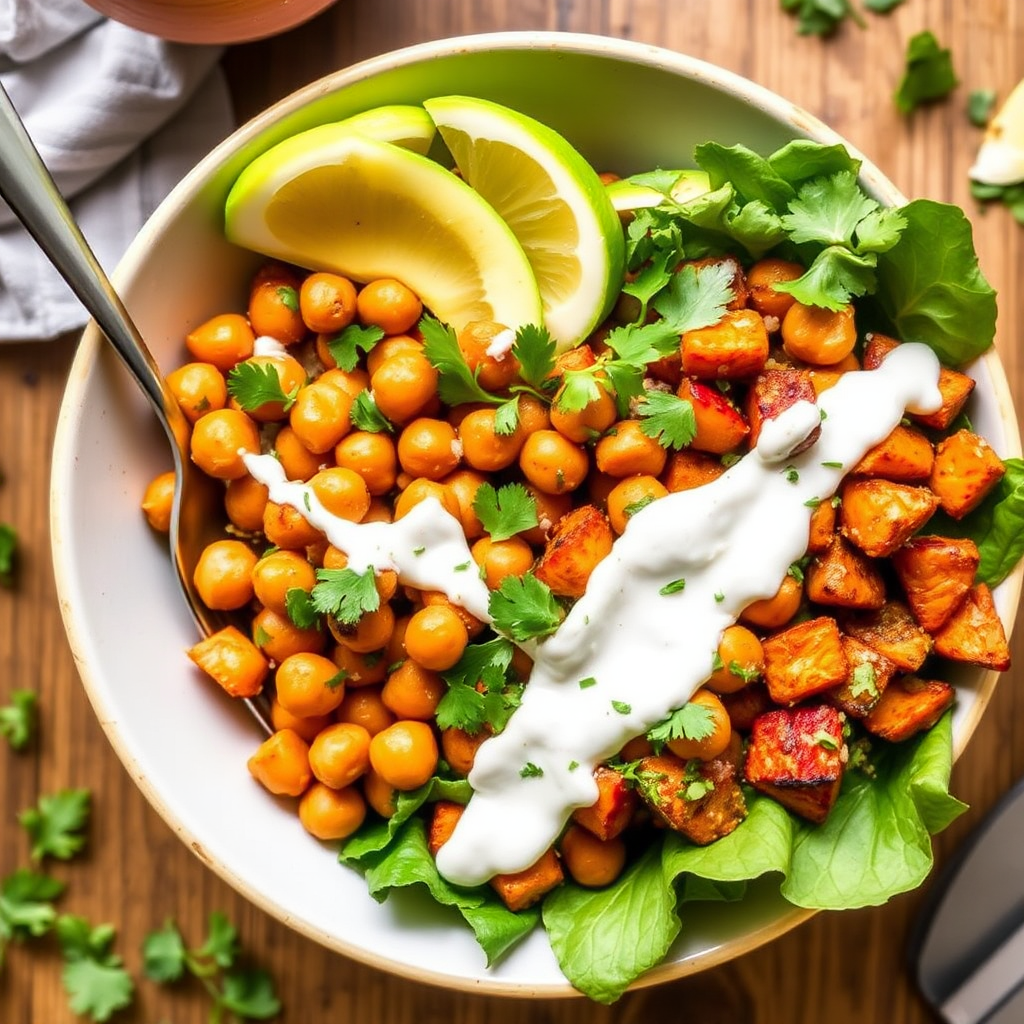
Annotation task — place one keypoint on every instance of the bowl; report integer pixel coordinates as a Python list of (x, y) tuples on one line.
[(127, 625), (211, 21)]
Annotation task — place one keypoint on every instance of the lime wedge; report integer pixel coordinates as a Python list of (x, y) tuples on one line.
[(331, 199), (1000, 159), (637, 192), (553, 201), (403, 125)]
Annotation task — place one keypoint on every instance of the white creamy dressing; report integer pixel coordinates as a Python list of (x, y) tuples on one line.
[(265, 345), (640, 653), (501, 344)]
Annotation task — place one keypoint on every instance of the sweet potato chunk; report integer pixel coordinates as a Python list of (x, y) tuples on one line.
[(734, 348), (578, 358), (744, 706), (877, 347), (892, 631), (823, 527), (580, 540), (232, 660), (936, 573), (688, 469), (772, 393), (700, 799), (614, 808), (844, 577), (797, 756), (522, 889), (906, 455), (879, 515), (908, 705), (804, 660), (974, 632), (442, 824), (869, 675), (966, 469), (720, 426)]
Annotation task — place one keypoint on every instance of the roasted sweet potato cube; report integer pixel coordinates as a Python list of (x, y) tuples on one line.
[(879, 515), (688, 469), (614, 808), (823, 528), (892, 631), (700, 799), (720, 426), (906, 455), (869, 675), (876, 348), (734, 348), (797, 756), (522, 889), (909, 705), (936, 573), (844, 577), (232, 660), (578, 358), (442, 824), (974, 632), (772, 393), (580, 540), (743, 706), (966, 469), (804, 660)]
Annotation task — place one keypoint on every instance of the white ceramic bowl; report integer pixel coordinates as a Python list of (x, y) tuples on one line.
[(628, 107)]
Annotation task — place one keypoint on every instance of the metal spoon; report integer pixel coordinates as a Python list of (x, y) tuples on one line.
[(197, 514)]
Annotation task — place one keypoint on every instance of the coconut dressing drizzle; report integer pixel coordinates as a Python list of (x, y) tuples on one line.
[(643, 636)]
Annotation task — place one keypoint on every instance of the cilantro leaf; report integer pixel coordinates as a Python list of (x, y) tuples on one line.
[(456, 383), (18, 719), (26, 906), (651, 278), (928, 75), (289, 297), (478, 693), (346, 346), (640, 344), (979, 106), (93, 976), (8, 550), (345, 594), (56, 825), (579, 388), (298, 604), (506, 417), (864, 682), (882, 6), (523, 607), (250, 995), (697, 296), (833, 278), (163, 954), (828, 210), (366, 416), (255, 384), (221, 945), (670, 420), (506, 511), (692, 722), (818, 17), (535, 349)]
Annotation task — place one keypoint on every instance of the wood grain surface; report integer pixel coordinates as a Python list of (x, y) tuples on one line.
[(837, 967)]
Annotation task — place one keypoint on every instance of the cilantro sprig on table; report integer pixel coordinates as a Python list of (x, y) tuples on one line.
[(8, 551), (823, 17), (94, 976), (929, 73), (56, 825), (18, 719)]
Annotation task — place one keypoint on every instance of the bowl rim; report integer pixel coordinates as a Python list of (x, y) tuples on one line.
[(680, 65)]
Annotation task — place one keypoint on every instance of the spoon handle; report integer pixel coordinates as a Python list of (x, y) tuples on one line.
[(26, 185)]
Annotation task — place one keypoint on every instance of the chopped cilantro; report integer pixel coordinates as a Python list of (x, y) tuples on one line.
[(573, 765), (716, 662), (418, 551), (255, 384), (345, 594), (928, 75), (697, 790), (261, 637), (621, 707), (299, 607), (675, 587), (585, 684), (462, 566), (366, 416), (719, 597), (336, 680), (456, 383), (506, 511), (812, 502), (506, 417), (692, 722), (670, 420), (979, 106), (479, 695), (832, 465), (697, 297), (523, 607), (346, 346), (747, 673), (825, 740), (535, 349), (530, 771), (864, 681), (579, 388), (26, 906), (289, 297), (635, 506), (792, 475), (729, 459), (796, 570)]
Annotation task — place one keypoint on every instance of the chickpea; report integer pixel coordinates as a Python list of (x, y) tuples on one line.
[(550, 509), (741, 656), (419, 490), (534, 415), (366, 707), (370, 633), (819, 336), (290, 374), (340, 754), (380, 795), (762, 277), (281, 764), (713, 745), (483, 447), (776, 611), (592, 862), (413, 691), (331, 813), (360, 669), (626, 451), (245, 501), (157, 501), (463, 484), (298, 462), (432, 598), (279, 638), (320, 416), (494, 372), (307, 727), (403, 385), (588, 423), (198, 388), (629, 495), (223, 341), (552, 463), (394, 650), (352, 382), (308, 684), (459, 748), (223, 575), (278, 572), (372, 456), (404, 754), (390, 305), (218, 438), (342, 492), (500, 559), (436, 637), (429, 448), (274, 309), (286, 527), (391, 346), (327, 302)]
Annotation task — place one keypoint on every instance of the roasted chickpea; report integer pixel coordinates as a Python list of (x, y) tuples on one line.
[(279, 638), (628, 496), (464, 483), (430, 598), (340, 754), (391, 346), (274, 309), (327, 302), (483, 447), (278, 572), (713, 744), (365, 707), (534, 415), (404, 754), (331, 813), (370, 633), (223, 574), (429, 448), (157, 501), (592, 862), (761, 279), (342, 492), (588, 423), (286, 527), (459, 748), (742, 659), (436, 637), (245, 501), (550, 509), (499, 559), (223, 341), (320, 415), (360, 669), (308, 684), (219, 438), (198, 388), (419, 490), (487, 348), (307, 728), (372, 456), (281, 764), (380, 795), (626, 451), (352, 382), (552, 463), (817, 335), (773, 612), (298, 462), (404, 385), (390, 305), (412, 691)]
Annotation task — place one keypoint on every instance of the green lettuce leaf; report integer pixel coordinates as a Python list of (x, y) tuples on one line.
[(800, 160), (930, 286), (749, 173)]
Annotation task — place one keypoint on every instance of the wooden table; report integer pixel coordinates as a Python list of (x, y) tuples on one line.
[(841, 968)]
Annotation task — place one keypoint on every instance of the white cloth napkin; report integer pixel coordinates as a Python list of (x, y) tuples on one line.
[(119, 118)]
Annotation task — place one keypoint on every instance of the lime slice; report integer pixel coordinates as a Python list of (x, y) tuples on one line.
[(400, 124), (1000, 159), (636, 192), (553, 201), (331, 199)]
